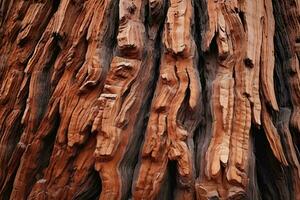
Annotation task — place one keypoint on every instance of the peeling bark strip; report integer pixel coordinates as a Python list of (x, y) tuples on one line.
[(149, 99)]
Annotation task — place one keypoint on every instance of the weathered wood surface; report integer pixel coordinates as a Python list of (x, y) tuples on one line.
[(149, 99)]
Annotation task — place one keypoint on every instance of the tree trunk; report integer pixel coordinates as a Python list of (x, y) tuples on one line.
[(149, 99)]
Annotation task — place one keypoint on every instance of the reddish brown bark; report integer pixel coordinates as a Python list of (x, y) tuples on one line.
[(149, 99)]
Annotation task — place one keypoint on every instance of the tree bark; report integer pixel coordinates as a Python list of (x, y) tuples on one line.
[(149, 99)]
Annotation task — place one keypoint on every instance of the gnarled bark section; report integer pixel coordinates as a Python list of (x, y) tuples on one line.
[(108, 99), (63, 46), (242, 89)]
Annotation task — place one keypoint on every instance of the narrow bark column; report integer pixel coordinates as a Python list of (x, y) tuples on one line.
[(243, 95), (226, 163), (122, 104), (237, 30), (112, 118), (174, 111)]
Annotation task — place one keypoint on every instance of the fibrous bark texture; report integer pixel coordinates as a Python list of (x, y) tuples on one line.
[(149, 99)]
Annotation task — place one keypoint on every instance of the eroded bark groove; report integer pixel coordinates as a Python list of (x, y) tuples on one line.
[(149, 99)]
